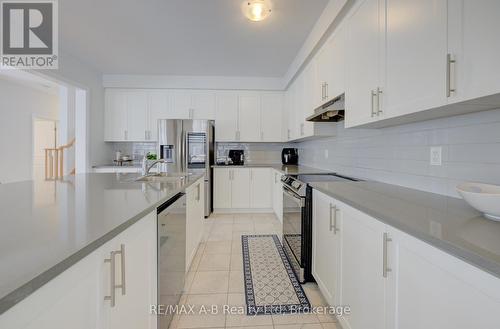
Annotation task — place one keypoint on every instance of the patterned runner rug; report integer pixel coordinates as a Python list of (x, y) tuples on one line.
[(271, 286)]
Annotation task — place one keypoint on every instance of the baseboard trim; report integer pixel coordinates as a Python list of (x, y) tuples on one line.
[(242, 211)]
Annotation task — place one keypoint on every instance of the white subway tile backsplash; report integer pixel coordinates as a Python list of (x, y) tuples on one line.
[(401, 155)]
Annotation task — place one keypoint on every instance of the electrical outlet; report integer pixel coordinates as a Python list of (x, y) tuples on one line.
[(436, 156), (326, 154)]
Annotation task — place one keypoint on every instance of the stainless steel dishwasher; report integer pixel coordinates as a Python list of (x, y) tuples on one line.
[(171, 241)]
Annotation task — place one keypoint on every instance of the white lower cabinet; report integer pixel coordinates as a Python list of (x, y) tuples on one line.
[(325, 248), (261, 195), (361, 282), (428, 288), (242, 189), (76, 298), (277, 194), (195, 214), (392, 280)]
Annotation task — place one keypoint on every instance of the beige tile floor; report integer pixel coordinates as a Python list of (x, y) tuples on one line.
[(216, 278)]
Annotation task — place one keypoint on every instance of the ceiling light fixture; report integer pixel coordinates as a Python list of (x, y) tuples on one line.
[(256, 10)]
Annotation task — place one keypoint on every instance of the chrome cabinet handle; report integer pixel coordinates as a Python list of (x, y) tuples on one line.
[(112, 282), (198, 192), (385, 268), (145, 134), (251, 174), (236, 135), (288, 133), (275, 178), (379, 91), (125, 134), (121, 252), (449, 62), (326, 90), (261, 135), (333, 218), (373, 94), (111, 297)]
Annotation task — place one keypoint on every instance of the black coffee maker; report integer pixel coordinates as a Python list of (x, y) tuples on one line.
[(237, 157), (289, 156)]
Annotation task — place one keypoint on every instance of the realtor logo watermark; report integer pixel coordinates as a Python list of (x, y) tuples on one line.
[(29, 34)]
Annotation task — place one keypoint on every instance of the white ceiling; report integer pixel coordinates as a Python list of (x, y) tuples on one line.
[(185, 37)]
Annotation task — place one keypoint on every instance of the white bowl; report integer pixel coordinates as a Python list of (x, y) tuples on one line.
[(483, 197)]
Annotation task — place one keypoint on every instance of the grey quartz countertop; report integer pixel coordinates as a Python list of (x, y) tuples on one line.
[(443, 222), (47, 226), (285, 169)]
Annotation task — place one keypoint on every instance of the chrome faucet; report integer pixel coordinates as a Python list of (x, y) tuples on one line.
[(147, 168)]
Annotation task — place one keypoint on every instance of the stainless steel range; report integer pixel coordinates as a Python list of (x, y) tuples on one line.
[(297, 220)]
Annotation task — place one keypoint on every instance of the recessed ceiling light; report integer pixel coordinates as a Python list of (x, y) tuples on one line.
[(256, 10)]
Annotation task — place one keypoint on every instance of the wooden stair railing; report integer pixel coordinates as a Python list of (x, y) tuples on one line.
[(54, 161)]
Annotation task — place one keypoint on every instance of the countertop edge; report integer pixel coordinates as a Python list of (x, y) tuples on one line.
[(477, 261), (14, 297)]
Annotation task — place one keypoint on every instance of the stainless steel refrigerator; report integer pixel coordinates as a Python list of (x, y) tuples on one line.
[(188, 146)]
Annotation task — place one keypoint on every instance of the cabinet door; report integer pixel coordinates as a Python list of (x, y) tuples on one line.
[(335, 80), (428, 288), (203, 105), (181, 104), (291, 113), (415, 56), (474, 43), (137, 115), (139, 243), (159, 108), (73, 299), (325, 246), (310, 98), (240, 188), (222, 188), (362, 285), (271, 117), (194, 220), (323, 63), (226, 117), (249, 117), (278, 195), (261, 196), (364, 47), (115, 119)]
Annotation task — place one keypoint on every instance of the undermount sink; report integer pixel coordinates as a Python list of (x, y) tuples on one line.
[(163, 177)]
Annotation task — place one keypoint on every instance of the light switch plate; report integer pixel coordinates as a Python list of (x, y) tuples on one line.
[(436, 156), (326, 154)]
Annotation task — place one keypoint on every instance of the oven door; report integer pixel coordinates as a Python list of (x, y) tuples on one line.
[(293, 210)]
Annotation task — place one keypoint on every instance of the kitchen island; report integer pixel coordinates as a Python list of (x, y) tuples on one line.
[(49, 226)]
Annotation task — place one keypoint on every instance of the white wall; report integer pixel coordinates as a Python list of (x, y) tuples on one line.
[(401, 155), (18, 104), (75, 72)]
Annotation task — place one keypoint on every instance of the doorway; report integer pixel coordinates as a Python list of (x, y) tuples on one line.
[(44, 137)]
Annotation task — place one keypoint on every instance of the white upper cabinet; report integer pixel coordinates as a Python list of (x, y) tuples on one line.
[(249, 117), (415, 56), (137, 115), (329, 66), (335, 83), (203, 105), (474, 44), (226, 117), (159, 108), (181, 104), (365, 43), (115, 115), (271, 117)]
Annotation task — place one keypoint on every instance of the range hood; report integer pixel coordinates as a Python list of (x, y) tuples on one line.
[(331, 111)]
